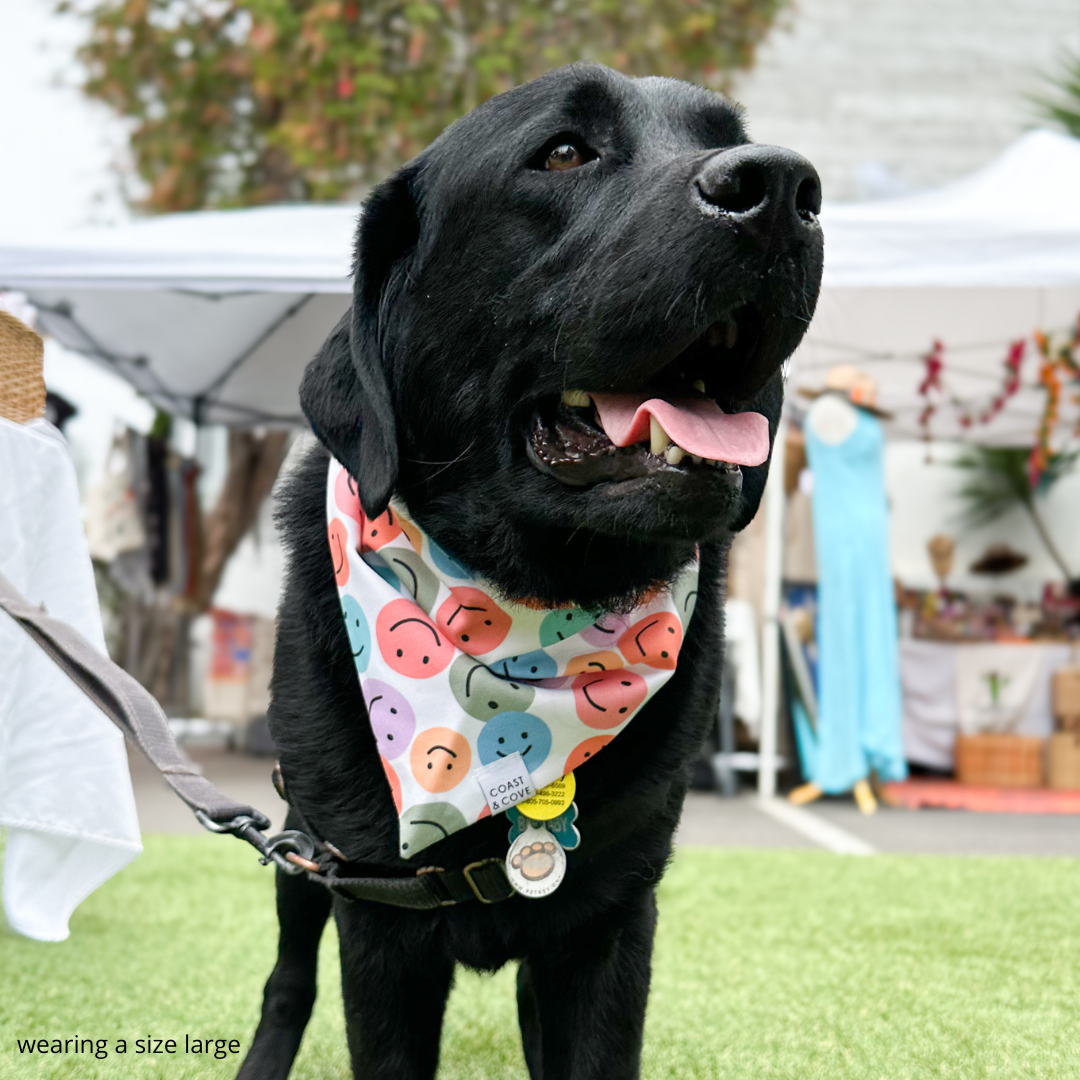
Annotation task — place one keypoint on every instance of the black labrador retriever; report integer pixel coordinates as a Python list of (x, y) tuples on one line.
[(585, 232)]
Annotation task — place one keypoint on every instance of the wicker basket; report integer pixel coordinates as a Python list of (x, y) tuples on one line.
[(1012, 761), (22, 389), (1063, 762)]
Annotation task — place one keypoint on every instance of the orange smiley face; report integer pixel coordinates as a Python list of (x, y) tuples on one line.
[(440, 759), (654, 640), (339, 550), (586, 751), (605, 699)]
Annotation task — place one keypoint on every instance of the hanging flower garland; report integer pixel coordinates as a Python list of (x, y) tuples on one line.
[(932, 383), (1060, 364)]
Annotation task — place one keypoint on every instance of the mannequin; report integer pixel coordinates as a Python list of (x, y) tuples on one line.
[(859, 707)]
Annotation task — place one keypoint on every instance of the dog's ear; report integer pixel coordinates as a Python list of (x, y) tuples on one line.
[(768, 401), (345, 393)]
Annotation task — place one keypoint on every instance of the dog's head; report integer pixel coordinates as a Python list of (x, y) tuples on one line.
[(575, 275)]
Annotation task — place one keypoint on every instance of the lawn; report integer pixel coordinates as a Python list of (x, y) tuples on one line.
[(793, 965)]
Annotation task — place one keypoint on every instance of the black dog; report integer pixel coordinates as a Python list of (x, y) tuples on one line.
[(586, 231)]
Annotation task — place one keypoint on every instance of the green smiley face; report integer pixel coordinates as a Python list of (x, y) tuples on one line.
[(482, 694)]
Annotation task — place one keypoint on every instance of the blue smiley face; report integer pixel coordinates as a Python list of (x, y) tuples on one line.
[(533, 665), (515, 731), (359, 634), (559, 625), (446, 562)]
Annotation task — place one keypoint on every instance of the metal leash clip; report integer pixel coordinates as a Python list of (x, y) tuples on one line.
[(291, 850)]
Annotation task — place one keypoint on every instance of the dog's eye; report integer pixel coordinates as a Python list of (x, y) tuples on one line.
[(564, 156)]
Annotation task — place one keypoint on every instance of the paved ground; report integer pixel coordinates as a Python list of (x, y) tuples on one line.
[(707, 820)]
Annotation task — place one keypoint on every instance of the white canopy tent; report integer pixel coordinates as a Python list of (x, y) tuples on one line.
[(211, 315), (977, 265)]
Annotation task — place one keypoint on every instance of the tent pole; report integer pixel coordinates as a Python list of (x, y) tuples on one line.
[(770, 609)]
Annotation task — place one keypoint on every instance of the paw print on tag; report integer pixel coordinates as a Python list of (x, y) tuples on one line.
[(654, 640), (535, 861)]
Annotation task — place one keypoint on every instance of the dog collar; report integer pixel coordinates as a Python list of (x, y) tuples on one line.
[(476, 703)]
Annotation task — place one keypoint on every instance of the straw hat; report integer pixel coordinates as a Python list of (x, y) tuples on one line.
[(998, 559), (858, 387), (22, 389)]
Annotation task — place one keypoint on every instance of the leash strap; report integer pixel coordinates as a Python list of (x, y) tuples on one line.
[(138, 715)]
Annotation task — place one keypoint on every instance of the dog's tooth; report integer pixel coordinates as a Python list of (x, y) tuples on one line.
[(578, 399), (731, 333), (658, 437), (699, 385), (673, 455)]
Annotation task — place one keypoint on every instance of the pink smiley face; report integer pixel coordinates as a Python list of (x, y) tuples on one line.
[(339, 550), (347, 497), (375, 532), (440, 759), (605, 699), (654, 640), (473, 621), (410, 643), (394, 782), (586, 751)]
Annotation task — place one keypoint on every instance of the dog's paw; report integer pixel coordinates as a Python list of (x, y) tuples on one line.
[(535, 861)]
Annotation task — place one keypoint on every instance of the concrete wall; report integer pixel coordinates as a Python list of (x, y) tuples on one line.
[(890, 95)]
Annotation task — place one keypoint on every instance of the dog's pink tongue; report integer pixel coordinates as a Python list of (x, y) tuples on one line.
[(695, 424)]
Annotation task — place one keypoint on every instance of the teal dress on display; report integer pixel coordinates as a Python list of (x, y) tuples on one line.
[(858, 664)]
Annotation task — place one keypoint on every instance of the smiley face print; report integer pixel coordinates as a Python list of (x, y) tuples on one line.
[(482, 694), (508, 732), (339, 550), (440, 759), (533, 665), (409, 642), (347, 496), (606, 631), (605, 699), (654, 640), (375, 532), (473, 621), (586, 751), (392, 718), (560, 625), (356, 625), (428, 823), (414, 574)]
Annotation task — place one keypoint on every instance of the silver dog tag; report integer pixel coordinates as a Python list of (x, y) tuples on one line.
[(536, 862)]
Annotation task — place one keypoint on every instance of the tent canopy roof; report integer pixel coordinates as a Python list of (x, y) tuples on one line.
[(1015, 223)]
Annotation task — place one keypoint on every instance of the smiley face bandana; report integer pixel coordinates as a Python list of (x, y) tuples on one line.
[(456, 679)]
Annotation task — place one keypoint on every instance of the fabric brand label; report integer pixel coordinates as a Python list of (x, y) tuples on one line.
[(505, 782)]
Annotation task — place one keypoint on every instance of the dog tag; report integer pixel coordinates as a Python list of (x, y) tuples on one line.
[(551, 801), (562, 827), (536, 862)]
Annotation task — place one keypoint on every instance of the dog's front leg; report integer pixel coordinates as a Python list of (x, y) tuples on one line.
[(582, 1007), (395, 979), (303, 908)]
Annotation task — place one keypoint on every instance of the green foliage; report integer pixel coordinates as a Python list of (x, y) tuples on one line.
[(241, 102), (1064, 107)]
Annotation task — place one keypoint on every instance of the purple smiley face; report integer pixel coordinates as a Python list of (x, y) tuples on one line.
[(606, 631), (392, 717)]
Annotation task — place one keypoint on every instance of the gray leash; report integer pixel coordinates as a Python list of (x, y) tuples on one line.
[(138, 715)]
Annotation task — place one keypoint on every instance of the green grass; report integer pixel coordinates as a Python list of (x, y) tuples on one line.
[(768, 964)]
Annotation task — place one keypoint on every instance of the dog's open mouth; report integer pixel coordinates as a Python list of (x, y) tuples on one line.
[(674, 425)]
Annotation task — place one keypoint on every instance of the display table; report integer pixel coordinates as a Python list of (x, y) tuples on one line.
[(941, 682)]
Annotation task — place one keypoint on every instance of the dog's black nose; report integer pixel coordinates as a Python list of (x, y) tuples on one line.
[(764, 185)]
